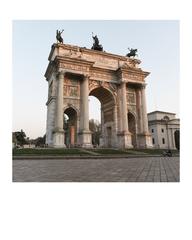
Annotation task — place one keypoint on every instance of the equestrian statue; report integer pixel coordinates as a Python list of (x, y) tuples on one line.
[(132, 52)]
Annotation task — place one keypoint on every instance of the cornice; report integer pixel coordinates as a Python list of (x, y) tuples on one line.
[(91, 51)]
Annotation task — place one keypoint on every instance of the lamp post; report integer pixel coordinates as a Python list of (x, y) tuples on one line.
[(166, 120)]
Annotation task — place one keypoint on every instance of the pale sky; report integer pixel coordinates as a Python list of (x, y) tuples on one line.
[(158, 49)]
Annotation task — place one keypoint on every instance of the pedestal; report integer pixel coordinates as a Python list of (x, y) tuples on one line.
[(85, 139), (144, 140), (58, 139), (125, 140)]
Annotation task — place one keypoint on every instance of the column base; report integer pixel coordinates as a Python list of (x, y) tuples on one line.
[(125, 140), (58, 139), (144, 140), (85, 139)]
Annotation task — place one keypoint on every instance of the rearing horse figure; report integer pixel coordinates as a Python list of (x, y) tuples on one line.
[(132, 52), (58, 36)]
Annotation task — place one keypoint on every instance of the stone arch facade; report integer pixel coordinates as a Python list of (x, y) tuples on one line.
[(73, 74)]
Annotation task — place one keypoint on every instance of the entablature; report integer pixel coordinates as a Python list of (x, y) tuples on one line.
[(132, 75), (97, 65)]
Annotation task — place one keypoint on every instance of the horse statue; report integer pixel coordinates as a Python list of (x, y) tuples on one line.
[(132, 52), (58, 36), (96, 45)]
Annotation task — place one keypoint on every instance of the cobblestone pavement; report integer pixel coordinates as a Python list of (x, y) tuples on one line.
[(152, 169)]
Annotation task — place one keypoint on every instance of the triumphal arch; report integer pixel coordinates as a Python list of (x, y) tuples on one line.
[(75, 73)]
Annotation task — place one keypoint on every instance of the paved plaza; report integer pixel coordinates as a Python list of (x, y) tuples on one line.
[(151, 169)]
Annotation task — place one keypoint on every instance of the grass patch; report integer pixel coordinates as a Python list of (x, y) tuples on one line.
[(83, 152), (109, 151), (49, 151)]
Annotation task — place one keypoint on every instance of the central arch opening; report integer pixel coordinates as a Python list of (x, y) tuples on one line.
[(95, 120), (106, 121)]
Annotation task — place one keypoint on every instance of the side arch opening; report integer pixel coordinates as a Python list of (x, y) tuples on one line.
[(70, 127), (132, 128)]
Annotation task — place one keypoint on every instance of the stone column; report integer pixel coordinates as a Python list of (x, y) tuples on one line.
[(115, 139), (85, 134), (124, 109), (124, 136), (58, 136), (144, 138), (102, 140), (119, 110), (139, 111), (172, 139), (144, 110), (85, 102)]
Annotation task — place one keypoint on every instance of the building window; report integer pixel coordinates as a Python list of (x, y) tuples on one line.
[(163, 140), (152, 130), (153, 140), (162, 130)]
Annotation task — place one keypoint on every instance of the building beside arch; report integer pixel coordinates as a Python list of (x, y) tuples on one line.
[(165, 130), (73, 74)]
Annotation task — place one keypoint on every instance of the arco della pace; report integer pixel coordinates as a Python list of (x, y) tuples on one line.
[(73, 74)]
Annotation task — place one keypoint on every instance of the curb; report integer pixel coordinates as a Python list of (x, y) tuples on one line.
[(35, 157)]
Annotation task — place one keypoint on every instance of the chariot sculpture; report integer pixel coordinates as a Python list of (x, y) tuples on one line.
[(96, 45)]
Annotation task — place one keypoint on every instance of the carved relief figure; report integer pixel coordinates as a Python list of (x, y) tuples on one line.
[(131, 98), (73, 91)]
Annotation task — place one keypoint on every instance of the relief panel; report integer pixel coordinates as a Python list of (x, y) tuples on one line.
[(74, 67), (131, 97), (71, 87), (103, 76), (133, 77)]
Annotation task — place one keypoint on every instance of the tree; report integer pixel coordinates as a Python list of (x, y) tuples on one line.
[(19, 137), (40, 141)]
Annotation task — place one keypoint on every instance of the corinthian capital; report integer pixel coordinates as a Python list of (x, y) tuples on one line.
[(60, 74), (86, 76), (143, 86)]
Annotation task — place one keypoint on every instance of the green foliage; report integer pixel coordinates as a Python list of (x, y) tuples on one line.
[(19, 138), (40, 141)]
